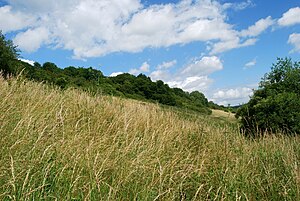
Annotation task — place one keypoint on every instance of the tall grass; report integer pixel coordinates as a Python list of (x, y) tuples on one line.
[(67, 145)]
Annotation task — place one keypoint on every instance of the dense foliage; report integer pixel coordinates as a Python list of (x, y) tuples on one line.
[(8, 56), (125, 85), (275, 106)]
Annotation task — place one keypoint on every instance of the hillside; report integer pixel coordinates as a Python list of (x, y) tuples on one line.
[(91, 80), (69, 145), (125, 85)]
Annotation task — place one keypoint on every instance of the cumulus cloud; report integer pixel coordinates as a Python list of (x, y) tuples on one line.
[(204, 66), (162, 71), (192, 77), (195, 76), (294, 39), (92, 28), (260, 26), (194, 83), (235, 96), (14, 20), (164, 75), (41, 6), (291, 17), (32, 39), (145, 67)]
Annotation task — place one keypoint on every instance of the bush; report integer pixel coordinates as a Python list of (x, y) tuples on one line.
[(8, 56), (275, 105)]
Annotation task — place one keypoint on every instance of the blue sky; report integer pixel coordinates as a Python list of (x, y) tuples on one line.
[(219, 47)]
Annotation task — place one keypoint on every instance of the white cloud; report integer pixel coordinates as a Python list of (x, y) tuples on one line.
[(92, 28), (160, 75), (166, 65), (32, 39), (291, 17), (240, 6), (294, 39), (28, 61), (145, 67), (192, 77), (41, 6), (195, 76), (205, 30), (224, 46), (243, 38), (114, 74), (165, 25), (256, 29), (233, 96), (194, 83), (14, 20), (250, 63), (162, 71), (204, 66)]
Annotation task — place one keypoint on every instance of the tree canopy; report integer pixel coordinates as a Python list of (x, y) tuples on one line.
[(8, 56), (275, 105)]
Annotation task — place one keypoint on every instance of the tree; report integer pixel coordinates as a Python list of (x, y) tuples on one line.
[(37, 65), (51, 67), (275, 105), (8, 56), (199, 98)]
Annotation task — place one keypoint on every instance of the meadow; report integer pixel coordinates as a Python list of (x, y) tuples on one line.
[(68, 145)]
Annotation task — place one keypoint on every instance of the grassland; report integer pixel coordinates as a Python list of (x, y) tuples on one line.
[(67, 145)]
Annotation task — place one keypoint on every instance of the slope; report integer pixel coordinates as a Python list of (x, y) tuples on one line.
[(67, 145)]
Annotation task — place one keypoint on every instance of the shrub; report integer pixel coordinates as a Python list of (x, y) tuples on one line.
[(275, 105)]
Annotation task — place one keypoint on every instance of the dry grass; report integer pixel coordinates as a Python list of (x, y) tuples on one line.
[(65, 145), (222, 115)]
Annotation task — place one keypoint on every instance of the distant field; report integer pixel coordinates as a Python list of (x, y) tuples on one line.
[(67, 145), (222, 114)]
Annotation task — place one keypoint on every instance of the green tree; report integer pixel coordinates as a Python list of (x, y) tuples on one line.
[(51, 67), (199, 98), (8, 56), (275, 105), (37, 65), (62, 82)]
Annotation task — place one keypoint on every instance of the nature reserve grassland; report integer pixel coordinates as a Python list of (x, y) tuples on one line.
[(68, 145)]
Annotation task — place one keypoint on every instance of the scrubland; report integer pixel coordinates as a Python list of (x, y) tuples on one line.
[(68, 145)]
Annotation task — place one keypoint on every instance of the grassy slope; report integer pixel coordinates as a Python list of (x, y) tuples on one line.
[(68, 145)]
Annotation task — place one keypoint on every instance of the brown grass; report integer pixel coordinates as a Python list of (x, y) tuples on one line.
[(64, 145)]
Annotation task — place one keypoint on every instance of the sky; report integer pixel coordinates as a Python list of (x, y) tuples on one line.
[(221, 48)]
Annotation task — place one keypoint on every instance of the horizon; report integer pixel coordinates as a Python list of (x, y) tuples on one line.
[(220, 48)]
